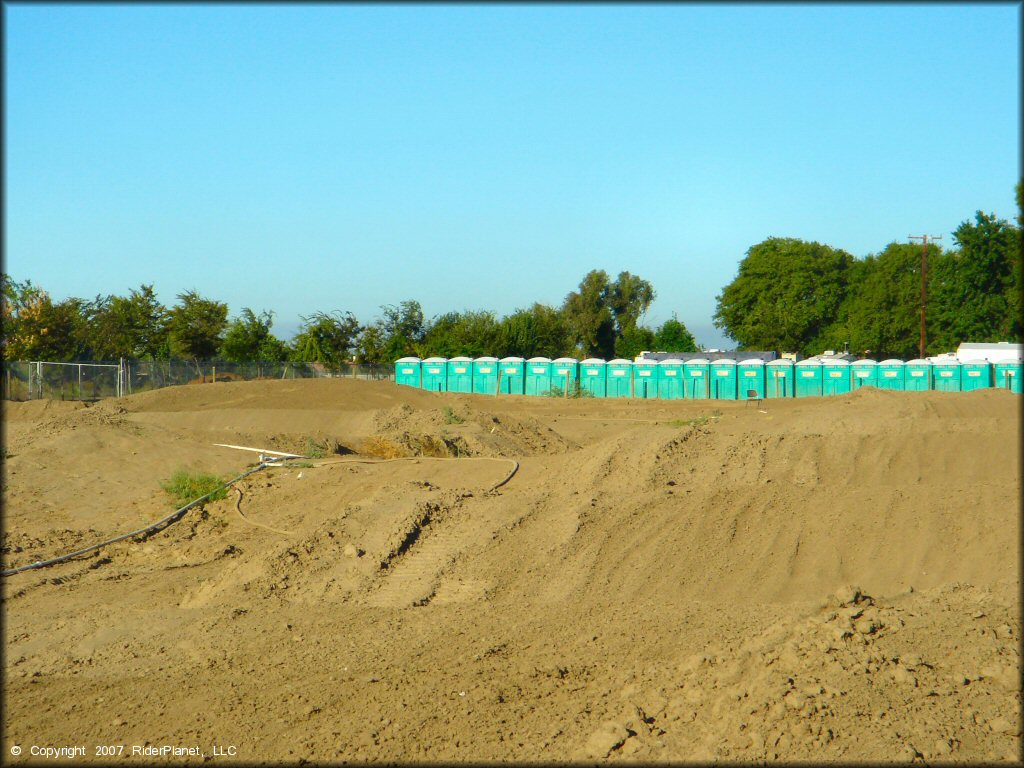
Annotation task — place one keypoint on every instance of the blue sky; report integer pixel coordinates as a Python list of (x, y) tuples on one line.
[(321, 157)]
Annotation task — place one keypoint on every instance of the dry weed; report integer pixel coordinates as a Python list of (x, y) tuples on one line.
[(383, 448)]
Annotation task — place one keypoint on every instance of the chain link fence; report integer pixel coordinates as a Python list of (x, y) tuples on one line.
[(93, 380)]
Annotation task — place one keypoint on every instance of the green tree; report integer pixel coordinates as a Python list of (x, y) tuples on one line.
[(128, 326), (628, 298), (882, 314), (785, 296), (537, 331), (977, 291), (473, 334), (370, 345), (673, 336), (327, 338), (403, 329), (248, 339), (634, 340), (195, 326), (589, 317)]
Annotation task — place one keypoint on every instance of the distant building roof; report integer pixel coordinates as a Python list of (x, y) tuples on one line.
[(993, 352), (712, 355)]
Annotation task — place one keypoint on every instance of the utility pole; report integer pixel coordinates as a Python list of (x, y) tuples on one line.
[(924, 272)]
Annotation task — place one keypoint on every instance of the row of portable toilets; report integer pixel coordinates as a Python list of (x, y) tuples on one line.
[(700, 379)]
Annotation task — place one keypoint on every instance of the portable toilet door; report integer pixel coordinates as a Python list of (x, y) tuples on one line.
[(671, 380), (1008, 375), (946, 375), (485, 375), (890, 374), (750, 379), (975, 374), (407, 371), (835, 377), (778, 378), (511, 375), (565, 373), (723, 379), (863, 373), (807, 374), (460, 374), (435, 374), (538, 375), (619, 378), (592, 377), (917, 375), (696, 375), (645, 379)]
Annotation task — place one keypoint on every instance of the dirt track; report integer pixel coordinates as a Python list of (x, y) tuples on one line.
[(657, 582)]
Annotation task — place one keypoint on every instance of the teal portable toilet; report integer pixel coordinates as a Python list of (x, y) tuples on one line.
[(723, 379), (808, 378), (975, 374), (750, 379), (1008, 375), (863, 373), (645, 379), (697, 372), (946, 374), (512, 375), (564, 373), (460, 374), (835, 377), (592, 377), (538, 375), (435, 374), (890, 374), (407, 371), (778, 378), (917, 375), (485, 375), (619, 378), (671, 380)]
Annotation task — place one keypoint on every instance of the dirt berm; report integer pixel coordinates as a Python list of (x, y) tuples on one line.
[(828, 579)]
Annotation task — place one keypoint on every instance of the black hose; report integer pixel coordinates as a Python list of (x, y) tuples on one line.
[(152, 527)]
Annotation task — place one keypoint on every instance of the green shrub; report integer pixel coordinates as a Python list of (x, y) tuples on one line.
[(185, 486), (450, 416)]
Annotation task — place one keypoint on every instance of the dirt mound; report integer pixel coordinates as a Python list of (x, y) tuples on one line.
[(523, 579)]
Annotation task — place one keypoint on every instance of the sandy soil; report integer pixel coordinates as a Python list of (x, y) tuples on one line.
[(829, 579)]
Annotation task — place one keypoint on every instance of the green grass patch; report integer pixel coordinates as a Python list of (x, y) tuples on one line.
[(698, 421), (451, 417), (185, 486)]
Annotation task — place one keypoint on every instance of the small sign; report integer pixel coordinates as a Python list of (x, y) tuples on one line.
[(836, 374), (889, 374), (945, 374), (696, 373), (485, 370), (917, 373), (619, 372), (862, 374), (750, 373), (974, 373), (433, 370), (721, 373), (643, 373), (669, 373), (407, 370), (511, 370), (460, 370), (592, 373), (539, 370), (807, 374)]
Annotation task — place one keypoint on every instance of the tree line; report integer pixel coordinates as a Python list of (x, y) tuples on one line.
[(599, 319), (807, 297), (789, 295)]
